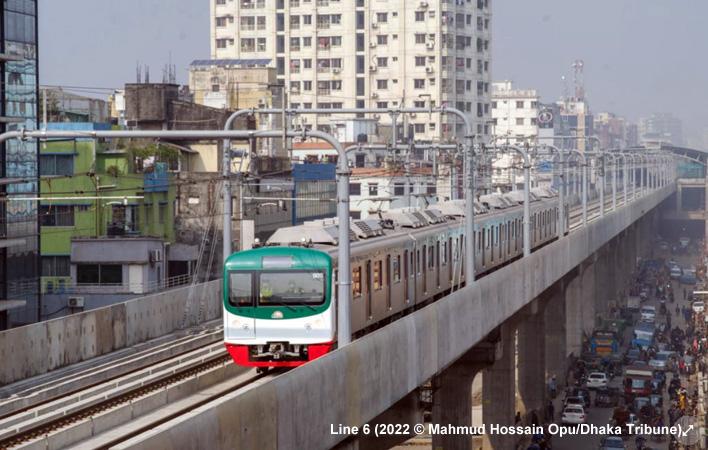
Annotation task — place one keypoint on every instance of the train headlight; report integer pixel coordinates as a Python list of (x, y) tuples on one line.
[(318, 323), (308, 327), (235, 323)]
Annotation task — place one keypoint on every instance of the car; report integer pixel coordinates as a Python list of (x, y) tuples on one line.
[(596, 380), (661, 359), (573, 415), (684, 241), (639, 403), (698, 307), (639, 363), (688, 278), (663, 245), (675, 272), (611, 443), (631, 356), (648, 313), (580, 392), (575, 401), (607, 397)]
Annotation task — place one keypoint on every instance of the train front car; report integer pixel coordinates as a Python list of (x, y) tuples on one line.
[(278, 308)]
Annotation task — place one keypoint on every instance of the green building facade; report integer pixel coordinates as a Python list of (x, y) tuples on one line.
[(97, 188)]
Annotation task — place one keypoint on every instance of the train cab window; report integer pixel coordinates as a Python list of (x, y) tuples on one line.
[(377, 275), (397, 269), (241, 289), (356, 282), (291, 287)]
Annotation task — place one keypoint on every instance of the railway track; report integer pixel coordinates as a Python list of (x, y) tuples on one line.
[(52, 408)]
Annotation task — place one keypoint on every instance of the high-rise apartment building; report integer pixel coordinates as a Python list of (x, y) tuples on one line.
[(19, 224), (661, 127), (364, 53)]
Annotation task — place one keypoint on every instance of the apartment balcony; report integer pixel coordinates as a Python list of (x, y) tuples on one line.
[(322, 2), (294, 3), (248, 27), (248, 48), (321, 91), (294, 48), (323, 25)]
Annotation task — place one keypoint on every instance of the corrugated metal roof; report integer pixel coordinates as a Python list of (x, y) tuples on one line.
[(230, 62)]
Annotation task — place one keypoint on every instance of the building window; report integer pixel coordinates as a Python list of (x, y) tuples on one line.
[(534, 121), (354, 188), (382, 39), (307, 19), (381, 84), (534, 105), (419, 128), (419, 61), (419, 83), (57, 215), (520, 104), (382, 105), (220, 2), (56, 266), (162, 210), (99, 274), (419, 16), (56, 164), (420, 38), (221, 43), (261, 23), (520, 121), (248, 45), (373, 189), (399, 189), (382, 17), (307, 85), (221, 22), (494, 105), (261, 44), (382, 62)]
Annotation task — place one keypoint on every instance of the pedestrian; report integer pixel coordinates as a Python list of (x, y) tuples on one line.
[(550, 409), (534, 418)]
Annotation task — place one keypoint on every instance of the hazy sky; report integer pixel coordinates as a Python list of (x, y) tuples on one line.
[(640, 56)]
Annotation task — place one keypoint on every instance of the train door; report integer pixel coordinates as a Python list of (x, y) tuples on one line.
[(369, 289), (437, 265), (388, 282), (405, 276), (425, 268)]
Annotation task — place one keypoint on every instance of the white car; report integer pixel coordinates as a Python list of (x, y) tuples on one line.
[(660, 360), (698, 307), (574, 415), (648, 314), (596, 380), (676, 272)]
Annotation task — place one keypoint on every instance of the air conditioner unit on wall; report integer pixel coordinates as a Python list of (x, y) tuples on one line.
[(377, 116), (372, 68), (75, 302), (155, 255), (430, 45), (374, 25), (429, 69), (374, 95)]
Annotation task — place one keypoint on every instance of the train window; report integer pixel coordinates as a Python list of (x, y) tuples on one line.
[(496, 235), (356, 282), (291, 287), (397, 269), (377, 275), (241, 289), (443, 254), (335, 286), (411, 266), (417, 262), (431, 257)]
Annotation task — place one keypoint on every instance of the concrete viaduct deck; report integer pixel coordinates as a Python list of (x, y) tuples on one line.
[(377, 373)]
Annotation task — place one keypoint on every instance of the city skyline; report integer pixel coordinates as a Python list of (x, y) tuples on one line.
[(621, 74)]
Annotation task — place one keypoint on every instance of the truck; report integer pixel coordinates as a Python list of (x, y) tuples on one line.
[(616, 325), (637, 382), (604, 342), (644, 335)]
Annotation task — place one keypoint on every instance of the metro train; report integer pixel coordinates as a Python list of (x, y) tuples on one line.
[(280, 300)]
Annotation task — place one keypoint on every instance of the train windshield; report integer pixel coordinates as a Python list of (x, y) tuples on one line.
[(241, 289), (291, 287)]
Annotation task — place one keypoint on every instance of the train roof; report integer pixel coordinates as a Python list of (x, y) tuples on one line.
[(387, 224), (278, 257)]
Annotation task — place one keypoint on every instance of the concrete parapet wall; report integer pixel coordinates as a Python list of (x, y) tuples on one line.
[(353, 385), (41, 347)]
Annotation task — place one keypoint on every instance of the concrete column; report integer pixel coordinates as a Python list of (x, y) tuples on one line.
[(499, 392), (555, 333), (532, 362), (452, 400), (588, 293), (679, 197), (574, 316), (408, 410)]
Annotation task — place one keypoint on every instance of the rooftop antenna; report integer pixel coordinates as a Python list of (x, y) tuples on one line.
[(147, 74), (138, 71), (578, 79)]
